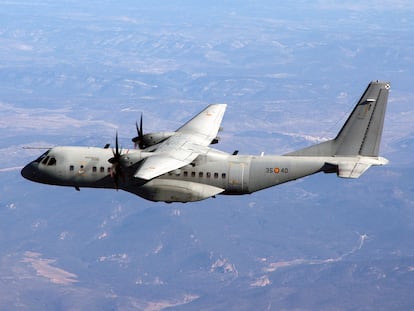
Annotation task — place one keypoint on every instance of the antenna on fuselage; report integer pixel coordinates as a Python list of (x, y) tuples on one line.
[(43, 148)]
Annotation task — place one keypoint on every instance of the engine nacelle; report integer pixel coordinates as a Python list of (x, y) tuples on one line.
[(151, 139)]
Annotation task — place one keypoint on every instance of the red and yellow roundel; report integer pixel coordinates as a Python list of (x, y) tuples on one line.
[(276, 170)]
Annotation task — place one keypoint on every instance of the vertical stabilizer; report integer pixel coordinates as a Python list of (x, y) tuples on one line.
[(361, 133)]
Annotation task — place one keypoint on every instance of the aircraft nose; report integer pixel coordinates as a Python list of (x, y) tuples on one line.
[(29, 172)]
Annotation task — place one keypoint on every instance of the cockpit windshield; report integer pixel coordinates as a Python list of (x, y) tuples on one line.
[(46, 159), (52, 161), (49, 161), (39, 159)]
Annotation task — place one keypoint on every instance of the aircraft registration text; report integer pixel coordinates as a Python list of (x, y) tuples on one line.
[(276, 170)]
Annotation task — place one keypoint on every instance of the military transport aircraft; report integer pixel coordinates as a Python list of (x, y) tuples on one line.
[(181, 167)]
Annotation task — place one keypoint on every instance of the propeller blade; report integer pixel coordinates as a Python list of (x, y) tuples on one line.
[(140, 132), (116, 144), (138, 129), (139, 140), (116, 171)]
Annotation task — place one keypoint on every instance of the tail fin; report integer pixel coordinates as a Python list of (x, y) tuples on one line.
[(361, 133)]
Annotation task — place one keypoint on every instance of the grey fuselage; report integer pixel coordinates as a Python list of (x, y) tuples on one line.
[(233, 174)]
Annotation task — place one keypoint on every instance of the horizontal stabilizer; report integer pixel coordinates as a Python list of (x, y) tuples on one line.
[(352, 170), (354, 167)]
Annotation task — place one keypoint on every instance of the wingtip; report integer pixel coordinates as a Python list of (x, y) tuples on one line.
[(383, 161)]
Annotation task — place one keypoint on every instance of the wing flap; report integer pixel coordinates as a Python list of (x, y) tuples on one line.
[(160, 164)]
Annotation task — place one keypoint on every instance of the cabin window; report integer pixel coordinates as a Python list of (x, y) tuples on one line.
[(71, 168), (200, 174), (223, 175), (215, 175), (94, 169), (109, 170), (102, 169), (185, 173), (208, 174), (192, 174)]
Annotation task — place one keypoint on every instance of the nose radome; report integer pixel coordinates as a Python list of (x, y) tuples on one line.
[(29, 172)]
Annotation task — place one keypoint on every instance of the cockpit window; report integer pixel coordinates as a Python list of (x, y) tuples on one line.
[(52, 161), (39, 159), (44, 161), (49, 161)]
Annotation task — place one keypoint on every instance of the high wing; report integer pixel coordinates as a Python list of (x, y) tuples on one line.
[(188, 142)]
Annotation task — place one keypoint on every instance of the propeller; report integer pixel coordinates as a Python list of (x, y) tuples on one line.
[(116, 171), (139, 140)]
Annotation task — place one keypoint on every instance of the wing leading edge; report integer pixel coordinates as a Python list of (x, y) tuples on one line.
[(188, 142)]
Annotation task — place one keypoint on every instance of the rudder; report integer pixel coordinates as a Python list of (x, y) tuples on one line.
[(361, 133)]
